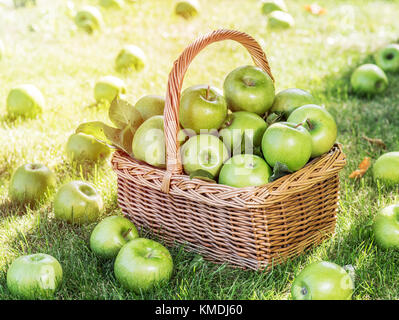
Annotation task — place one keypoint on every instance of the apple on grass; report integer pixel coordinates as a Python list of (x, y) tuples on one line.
[(130, 57), (322, 281), (202, 107), (387, 58), (280, 19), (245, 170), (386, 227), (31, 182), (82, 147), (369, 79), (273, 5), (78, 202), (204, 152), (187, 8), (249, 88), (149, 142), (150, 105), (386, 168), (243, 132), (143, 264), (108, 88), (287, 143), (110, 235), (89, 18), (290, 99), (34, 276), (320, 124), (24, 101)]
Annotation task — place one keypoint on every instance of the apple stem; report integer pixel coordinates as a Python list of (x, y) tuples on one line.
[(127, 232), (298, 125), (309, 124), (207, 92)]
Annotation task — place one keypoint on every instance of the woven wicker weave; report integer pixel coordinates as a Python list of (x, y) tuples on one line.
[(251, 227)]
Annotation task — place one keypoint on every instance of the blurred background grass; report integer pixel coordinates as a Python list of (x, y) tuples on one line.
[(44, 47)]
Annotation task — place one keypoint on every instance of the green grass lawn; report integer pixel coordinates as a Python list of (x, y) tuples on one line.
[(44, 47)]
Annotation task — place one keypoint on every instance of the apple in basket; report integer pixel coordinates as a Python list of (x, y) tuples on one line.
[(202, 108), (31, 182), (78, 202), (244, 170), (243, 132), (249, 88), (111, 3), (150, 105), (322, 281), (89, 18), (369, 79), (386, 227), (187, 8), (288, 100), (287, 143), (280, 19), (143, 264), (387, 58), (204, 152), (108, 88), (24, 101), (149, 142), (386, 168), (34, 276), (83, 147), (130, 57), (110, 235), (320, 124), (273, 5)]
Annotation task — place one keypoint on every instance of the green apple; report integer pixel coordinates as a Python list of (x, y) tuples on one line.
[(130, 57), (369, 79), (31, 182), (273, 5), (386, 168), (287, 143), (280, 19), (24, 101), (322, 281), (244, 170), (89, 18), (288, 100), (386, 227), (34, 276), (108, 88), (249, 88), (111, 3), (83, 147), (187, 8), (204, 152), (150, 105), (202, 108), (110, 235), (1, 49), (387, 58), (243, 132), (142, 264), (149, 142), (78, 202), (320, 124)]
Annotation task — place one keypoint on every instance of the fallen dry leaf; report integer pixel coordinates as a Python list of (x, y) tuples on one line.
[(363, 167), (315, 9), (377, 142)]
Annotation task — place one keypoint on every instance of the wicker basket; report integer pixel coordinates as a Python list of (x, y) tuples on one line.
[(251, 227)]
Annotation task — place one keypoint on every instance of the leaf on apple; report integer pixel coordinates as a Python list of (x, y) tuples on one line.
[(279, 170), (123, 114), (273, 118), (377, 142), (363, 167), (202, 175)]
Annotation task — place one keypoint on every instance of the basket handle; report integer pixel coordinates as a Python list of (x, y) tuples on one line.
[(175, 81)]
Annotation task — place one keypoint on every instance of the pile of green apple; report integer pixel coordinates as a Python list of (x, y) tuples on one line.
[(370, 79), (277, 13)]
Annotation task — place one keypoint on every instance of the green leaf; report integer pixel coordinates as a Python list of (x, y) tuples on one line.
[(203, 175), (273, 118), (123, 114), (279, 170)]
